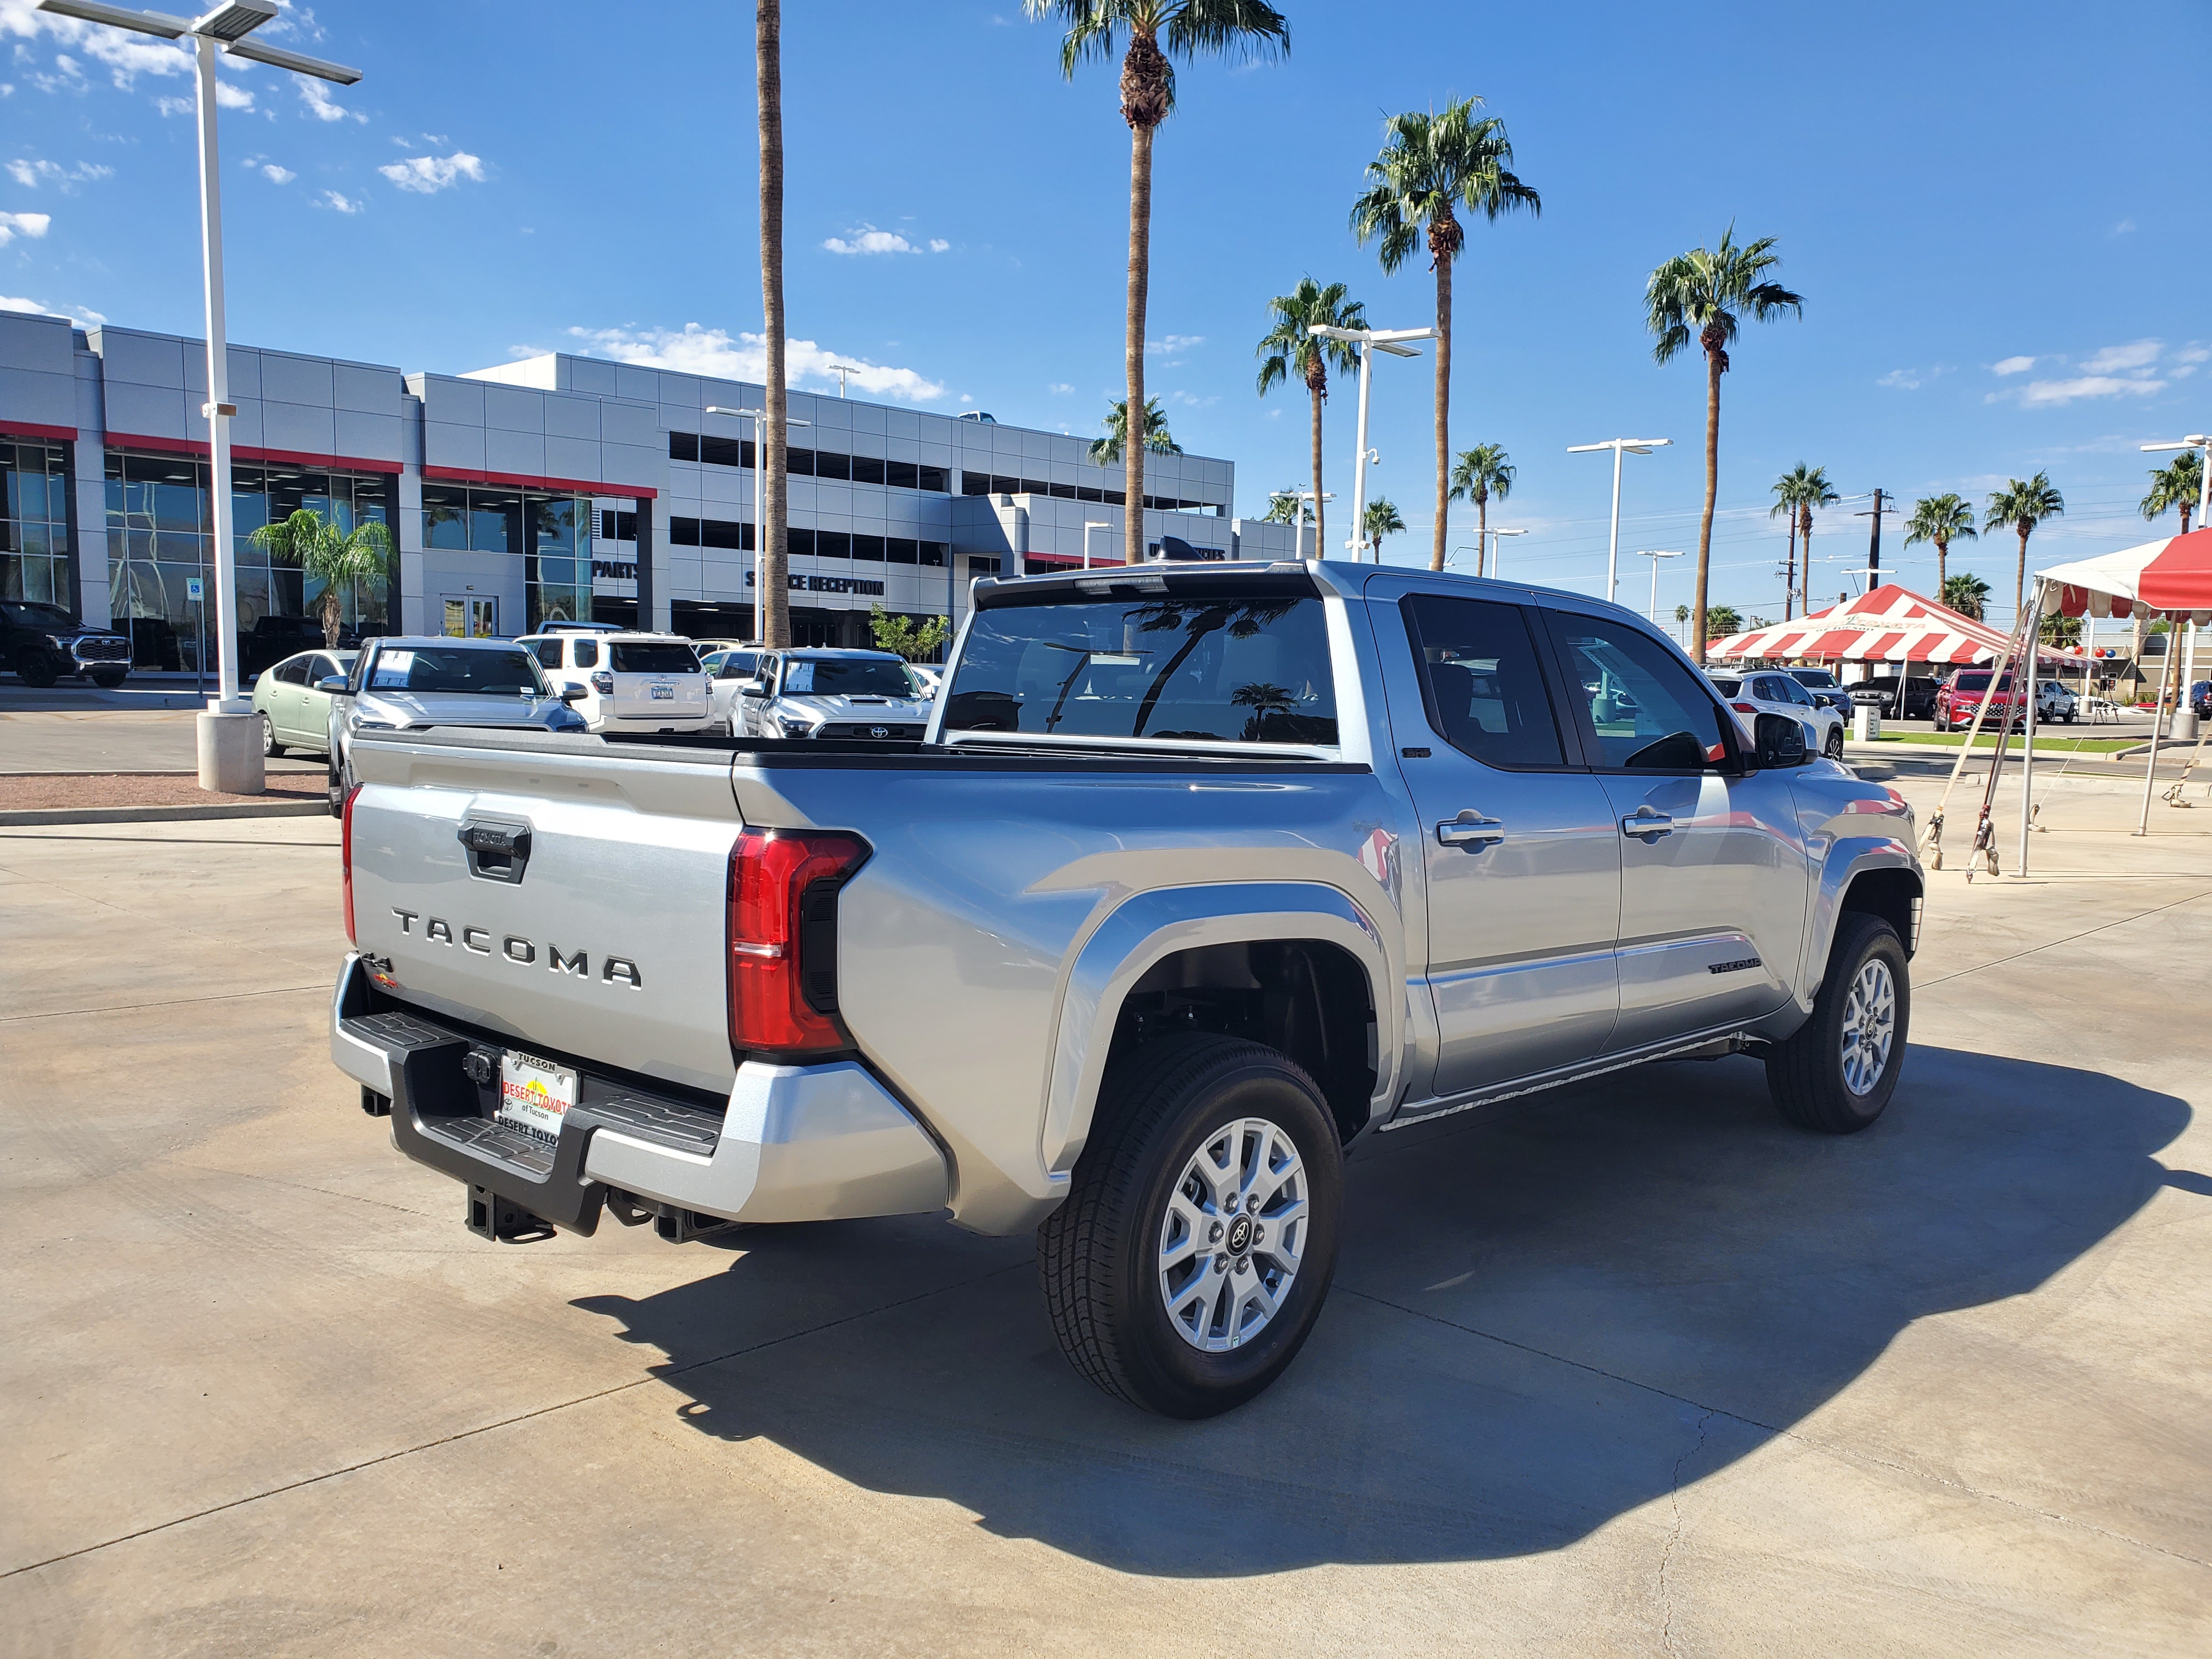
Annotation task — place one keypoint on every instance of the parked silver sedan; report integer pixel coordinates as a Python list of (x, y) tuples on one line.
[(294, 709)]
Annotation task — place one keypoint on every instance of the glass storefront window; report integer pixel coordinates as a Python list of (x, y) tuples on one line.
[(34, 533)]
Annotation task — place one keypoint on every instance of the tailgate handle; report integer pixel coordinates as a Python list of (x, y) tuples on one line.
[(497, 852)]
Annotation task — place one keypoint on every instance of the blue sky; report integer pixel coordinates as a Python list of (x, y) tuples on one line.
[(1988, 209)]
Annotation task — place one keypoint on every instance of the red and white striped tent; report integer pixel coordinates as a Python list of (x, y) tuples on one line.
[(2171, 578), (1890, 624)]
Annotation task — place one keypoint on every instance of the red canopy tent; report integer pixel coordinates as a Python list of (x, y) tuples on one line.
[(1890, 624)]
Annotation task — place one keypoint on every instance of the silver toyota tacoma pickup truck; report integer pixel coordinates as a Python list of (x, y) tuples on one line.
[(1199, 876)]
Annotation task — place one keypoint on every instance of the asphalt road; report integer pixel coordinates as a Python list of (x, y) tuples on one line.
[(1631, 1369), (111, 740)]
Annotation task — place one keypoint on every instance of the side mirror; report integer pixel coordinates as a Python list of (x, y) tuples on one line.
[(334, 684), (752, 689), (575, 693), (1781, 741)]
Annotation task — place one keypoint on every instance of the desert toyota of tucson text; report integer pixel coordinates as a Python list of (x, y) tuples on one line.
[(1199, 876)]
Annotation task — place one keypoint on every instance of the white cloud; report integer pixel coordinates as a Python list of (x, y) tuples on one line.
[(275, 174), (1169, 344), (2116, 360), (330, 198), (33, 225), (174, 106), (427, 175), (1188, 401), (76, 313), (867, 238), (1901, 380), (2011, 366), (1059, 388), (228, 96), (2192, 353), (2049, 394), (31, 174), (2122, 229), (316, 95), (695, 350)]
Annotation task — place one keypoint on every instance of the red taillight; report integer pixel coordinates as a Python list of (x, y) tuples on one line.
[(345, 855), (1745, 707), (783, 937)]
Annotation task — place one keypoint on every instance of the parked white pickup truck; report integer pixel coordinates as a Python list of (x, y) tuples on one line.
[(1198, 877)]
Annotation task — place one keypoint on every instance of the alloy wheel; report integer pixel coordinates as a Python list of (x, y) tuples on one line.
[(1869, 1027), (1233, 1234)]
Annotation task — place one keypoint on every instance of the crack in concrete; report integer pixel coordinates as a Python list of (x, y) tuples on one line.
[(1984, 967), (1674, 1536)]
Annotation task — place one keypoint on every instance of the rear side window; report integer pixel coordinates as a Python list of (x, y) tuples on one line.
[(739, 665), (1481, 681), (1201, 669), (1643, 708), (653, 657), (584, 654), (549, 653)]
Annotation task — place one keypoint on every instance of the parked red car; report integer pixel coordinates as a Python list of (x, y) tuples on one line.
[(1958, 697)]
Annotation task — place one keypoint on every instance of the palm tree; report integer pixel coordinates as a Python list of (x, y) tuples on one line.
[(1289, 349), (2023, 507), (1158, 29), (2176, 484), (775, 596), (336, 558), (1942, 519), (1479, 473), (1105, 451), (1429, 165), (1724, 621), (1287, 507), (1699, 296), (1966, 593), (1380, 520), (1797, 493)]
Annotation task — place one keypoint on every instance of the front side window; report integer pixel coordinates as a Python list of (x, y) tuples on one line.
[(293, 672), (1226, 669), (1644, 709), (1481, 681), (548, 651)]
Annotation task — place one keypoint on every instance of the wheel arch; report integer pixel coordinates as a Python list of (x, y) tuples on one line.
[(1307, 954)]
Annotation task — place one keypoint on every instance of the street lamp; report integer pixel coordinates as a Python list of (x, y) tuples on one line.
[(229, 745), (1089, 524), (1496, 551), (1618, 446), (841, 370), (759, 418), (1654, 555), (1370, 341), (1299, 497)]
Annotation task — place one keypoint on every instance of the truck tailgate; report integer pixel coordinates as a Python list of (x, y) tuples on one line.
[(599, 936)]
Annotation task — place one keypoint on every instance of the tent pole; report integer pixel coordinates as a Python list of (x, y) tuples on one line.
[(2157, 720), (1931, 842), (2027, 742)]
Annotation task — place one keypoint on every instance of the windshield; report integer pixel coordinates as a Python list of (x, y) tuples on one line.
[(846, 676), (472, 672), (36, 616), (653, 657), (1978, 680), (1198, 669)]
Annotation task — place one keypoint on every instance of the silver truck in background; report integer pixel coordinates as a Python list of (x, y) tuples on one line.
[(1199, 876)]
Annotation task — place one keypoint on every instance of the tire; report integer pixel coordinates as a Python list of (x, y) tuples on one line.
[(37, 670), (1807, 1074), (269, 746), (1165, 1109), (339, 785), (109, 682), (1833, 748)]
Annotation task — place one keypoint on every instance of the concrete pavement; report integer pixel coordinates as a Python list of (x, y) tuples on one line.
[(112, 740), (1631, 1369)]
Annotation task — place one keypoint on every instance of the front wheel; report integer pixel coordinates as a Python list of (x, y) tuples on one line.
[(1198, 1241), (1839, 1071), (108, 681), (1833, 749)]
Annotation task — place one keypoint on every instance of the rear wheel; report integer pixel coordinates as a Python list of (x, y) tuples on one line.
[(339, 783), (37, 670), (269, 746), (1839, 1071), (1197, 1244)]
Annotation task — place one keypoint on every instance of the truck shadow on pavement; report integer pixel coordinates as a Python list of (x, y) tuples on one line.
[(1542, 1319)]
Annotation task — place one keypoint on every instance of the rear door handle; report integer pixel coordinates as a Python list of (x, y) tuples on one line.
[(1647, 825), (1470, 831)]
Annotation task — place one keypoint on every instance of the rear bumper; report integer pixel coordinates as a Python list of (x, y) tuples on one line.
[(793, 1143)]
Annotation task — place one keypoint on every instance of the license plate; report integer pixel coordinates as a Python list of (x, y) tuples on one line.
[(535, 1093), (663, 693)]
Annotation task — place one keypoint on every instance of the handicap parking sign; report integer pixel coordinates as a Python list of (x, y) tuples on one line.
[(192, 588)]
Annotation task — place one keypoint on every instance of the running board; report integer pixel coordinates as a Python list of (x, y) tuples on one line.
[(1708, 1046)]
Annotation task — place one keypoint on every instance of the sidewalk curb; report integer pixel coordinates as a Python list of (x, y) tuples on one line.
[(275, 809)]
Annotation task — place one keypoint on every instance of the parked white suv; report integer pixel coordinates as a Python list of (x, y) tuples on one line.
[(631, 681), (1773, 691)]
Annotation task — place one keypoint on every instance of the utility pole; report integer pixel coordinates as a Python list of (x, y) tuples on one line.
[(1874, 539)]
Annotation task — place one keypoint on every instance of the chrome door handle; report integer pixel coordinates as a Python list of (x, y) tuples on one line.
[(1647, 824), (1470, 831)]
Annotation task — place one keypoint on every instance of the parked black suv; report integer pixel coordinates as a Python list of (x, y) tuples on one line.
[(42, 645), (1882, 691), (1822, 684)]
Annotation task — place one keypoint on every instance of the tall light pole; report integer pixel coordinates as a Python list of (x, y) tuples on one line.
[(1089, 524), (229, 736), (1298, 525), (759, 418), (1618, 446), (1654, 555), (1496, 551), (841, 370), (2202, 443), (1388, 340)]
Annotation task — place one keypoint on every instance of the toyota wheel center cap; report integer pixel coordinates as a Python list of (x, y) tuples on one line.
[(1240, 1235)]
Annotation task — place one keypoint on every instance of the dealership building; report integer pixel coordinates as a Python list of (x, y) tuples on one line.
[(558, 488)]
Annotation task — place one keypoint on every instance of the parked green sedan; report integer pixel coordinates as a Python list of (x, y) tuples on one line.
[(294, 714)]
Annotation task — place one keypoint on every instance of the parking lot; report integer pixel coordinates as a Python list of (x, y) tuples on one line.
[(1629, 1368)]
